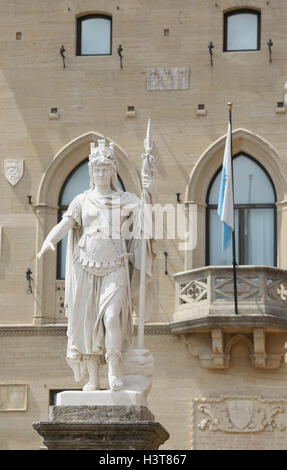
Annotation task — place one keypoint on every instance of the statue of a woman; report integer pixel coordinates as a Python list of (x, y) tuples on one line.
[(100, 259)]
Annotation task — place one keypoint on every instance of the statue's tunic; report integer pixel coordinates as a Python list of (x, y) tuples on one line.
[(97, 271)]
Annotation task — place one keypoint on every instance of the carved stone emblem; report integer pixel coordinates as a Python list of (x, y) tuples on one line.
[(240, 412), (238, 422), (282, 292), (13, 171), (236, 414)]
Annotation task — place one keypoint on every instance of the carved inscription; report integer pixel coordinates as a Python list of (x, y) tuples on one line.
[(13, 397), (168, 78)]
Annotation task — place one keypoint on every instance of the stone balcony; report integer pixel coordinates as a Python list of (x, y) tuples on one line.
[(205, 297), (204, 303)]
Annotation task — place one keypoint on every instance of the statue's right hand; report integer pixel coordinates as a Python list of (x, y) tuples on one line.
[(46, 246)]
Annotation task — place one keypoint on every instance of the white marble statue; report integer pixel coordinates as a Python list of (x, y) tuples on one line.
[(102, 269)]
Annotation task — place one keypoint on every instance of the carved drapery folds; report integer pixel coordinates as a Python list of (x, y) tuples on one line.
[(46, 208)]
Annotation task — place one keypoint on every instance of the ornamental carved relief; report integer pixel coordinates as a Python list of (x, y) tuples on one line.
[(13, 397), (236, 414), (13, 171), (214, 287), (238, 422), (60, 299), (192, 291), (218, 352)]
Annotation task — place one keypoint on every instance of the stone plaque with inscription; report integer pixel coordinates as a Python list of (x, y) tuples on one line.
[(239, 422), (168, 78), (13, 397)]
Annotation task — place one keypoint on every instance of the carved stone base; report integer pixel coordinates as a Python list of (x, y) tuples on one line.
[(127, 426)]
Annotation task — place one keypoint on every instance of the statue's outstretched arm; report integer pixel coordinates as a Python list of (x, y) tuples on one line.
[(55, 235)]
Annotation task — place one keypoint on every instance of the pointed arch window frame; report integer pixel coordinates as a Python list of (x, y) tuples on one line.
[(241, 207)]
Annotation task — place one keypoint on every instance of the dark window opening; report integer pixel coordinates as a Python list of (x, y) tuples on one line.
[(242, 30), (94, 35), (255, 217)]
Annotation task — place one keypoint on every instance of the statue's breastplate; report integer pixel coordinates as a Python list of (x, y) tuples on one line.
[(97, 253)]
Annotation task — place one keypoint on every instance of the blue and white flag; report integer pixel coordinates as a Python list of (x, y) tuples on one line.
[(225, 203)]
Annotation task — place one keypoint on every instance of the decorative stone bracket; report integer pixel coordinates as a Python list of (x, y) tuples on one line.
[(220, 352)]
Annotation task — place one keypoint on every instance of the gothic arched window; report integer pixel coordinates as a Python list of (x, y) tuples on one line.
[(77, 182), (94, 35), (255, 216), (241, 30)]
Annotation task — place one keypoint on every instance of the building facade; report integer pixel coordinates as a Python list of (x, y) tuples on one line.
[(219, 378)]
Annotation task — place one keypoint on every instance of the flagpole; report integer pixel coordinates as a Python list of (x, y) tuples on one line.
[(229, 104), (144, 200)]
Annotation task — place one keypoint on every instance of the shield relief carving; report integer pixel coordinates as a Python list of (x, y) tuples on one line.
[(240, 412), (13, 171)]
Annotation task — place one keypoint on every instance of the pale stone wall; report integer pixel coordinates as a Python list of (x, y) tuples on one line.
[(92, 95), (180, 386)]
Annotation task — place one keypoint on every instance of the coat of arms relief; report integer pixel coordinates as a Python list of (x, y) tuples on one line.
[(13, 171), (241, 415)]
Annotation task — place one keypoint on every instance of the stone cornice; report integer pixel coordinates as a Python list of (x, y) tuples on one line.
[(230, 322), (61, 329)]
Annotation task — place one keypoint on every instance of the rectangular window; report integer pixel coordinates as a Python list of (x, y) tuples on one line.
[(259, 236), (241, 30), (94, 35)]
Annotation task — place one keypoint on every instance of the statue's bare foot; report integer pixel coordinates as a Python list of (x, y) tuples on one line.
[(115, 382)]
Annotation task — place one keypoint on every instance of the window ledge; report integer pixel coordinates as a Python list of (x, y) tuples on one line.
[(243, 50), (280, 110), (201, 112), (54, 116)]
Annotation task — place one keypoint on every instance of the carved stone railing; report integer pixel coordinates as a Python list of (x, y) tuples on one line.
[(204, 304), (208, 292)]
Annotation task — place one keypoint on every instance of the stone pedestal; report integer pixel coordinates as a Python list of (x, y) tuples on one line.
[(101, 420)]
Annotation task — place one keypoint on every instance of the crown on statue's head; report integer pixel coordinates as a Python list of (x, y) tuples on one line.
[(102, 154)]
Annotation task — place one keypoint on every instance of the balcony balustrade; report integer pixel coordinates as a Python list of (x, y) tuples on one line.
[(203, 294), (204, 303)]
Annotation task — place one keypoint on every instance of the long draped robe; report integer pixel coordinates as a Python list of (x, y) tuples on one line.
[(98, 270)]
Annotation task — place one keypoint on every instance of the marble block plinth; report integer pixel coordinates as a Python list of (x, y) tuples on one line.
[(101, 420), (99, 397)]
